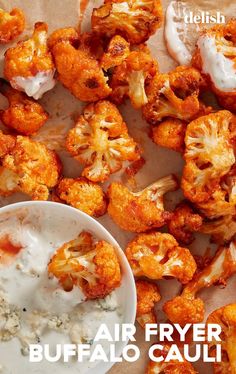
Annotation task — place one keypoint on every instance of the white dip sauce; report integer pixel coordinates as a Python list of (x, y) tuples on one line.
[(174, 28), (220, 68), (35, 86), (35, 309)]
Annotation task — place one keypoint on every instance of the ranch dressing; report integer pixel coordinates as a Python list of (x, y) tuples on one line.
[(220, 68), (35, 86), (34, 309)]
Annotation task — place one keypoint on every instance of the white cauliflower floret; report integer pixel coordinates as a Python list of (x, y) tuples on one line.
[(101, 142)]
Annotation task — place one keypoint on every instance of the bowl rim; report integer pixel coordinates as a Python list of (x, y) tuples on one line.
[(105, 366)]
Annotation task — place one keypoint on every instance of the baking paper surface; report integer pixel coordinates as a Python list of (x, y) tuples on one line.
[(64, 109)]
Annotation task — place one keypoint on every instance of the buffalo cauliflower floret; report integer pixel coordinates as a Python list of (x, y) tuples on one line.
[(209, 155), (170, 133), (183, 223), (188, 308), (117, 51), (135, 20), (157, 255), (101, 142), (225, 317), (24, 115), (7, 143), (29, 66), (222, 201), (174, 94), (143, 210), (12, 24), (147, 295), (94, 267), (82, 194), (171, 367), (130, 78), (221, 229), (215, 56), (77, 66), (29, 167)]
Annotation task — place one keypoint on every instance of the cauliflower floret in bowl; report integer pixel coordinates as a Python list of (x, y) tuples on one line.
[(135, 20)]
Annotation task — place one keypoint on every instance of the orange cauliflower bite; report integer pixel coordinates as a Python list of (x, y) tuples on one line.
[(24, 115), (171, 367), (221, 229), (215, 56), (29, 66), (173, 94), (188, 308), (7, 143), (157, 255), (226, 318), (117, 51), (130, 78), (147, 295), (101, 142), (183, 223), (170, 133), (12, 24), (92, 266), (209, 155), (77, 65), (143, 210), (29, 167), (135, 20), (82, 194)]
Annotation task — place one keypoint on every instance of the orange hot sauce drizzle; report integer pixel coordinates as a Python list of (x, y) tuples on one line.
[(8, 250)]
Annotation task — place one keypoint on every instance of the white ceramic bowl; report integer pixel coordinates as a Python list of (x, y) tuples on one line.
[(68, 222)]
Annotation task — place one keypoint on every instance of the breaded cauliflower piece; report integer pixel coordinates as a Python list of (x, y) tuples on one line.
[(143, 210), (209, 155), (147, 295), (77, 65), (183, 223), (82, 194), (12, 24), (29, 66), (29, 167), (157, 255), (170, 133), (221, 229), (135, 20), (188, 308), (117, 51), (215, 56), (171, 367), (101, 142), (130, 78), (24, 115), (226, 318), (174, 94), (7, 143), (92, 266)]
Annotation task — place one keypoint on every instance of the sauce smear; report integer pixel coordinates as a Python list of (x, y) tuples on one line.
[(8, 250)]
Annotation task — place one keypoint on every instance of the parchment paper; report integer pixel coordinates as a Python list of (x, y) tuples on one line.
[(64, 108)]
